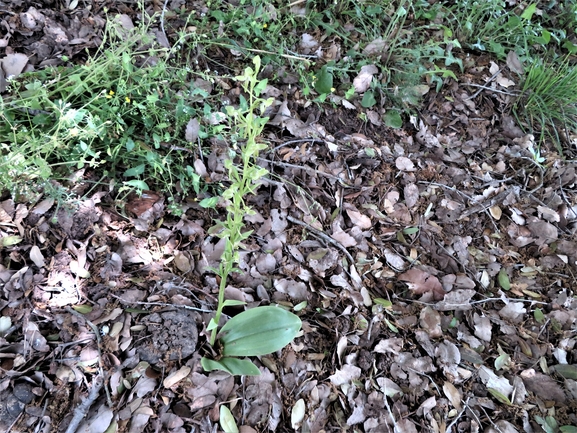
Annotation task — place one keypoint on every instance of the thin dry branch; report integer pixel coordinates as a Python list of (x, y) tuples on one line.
[(304, 167), (163, 304), (82, 409), (162, 19)]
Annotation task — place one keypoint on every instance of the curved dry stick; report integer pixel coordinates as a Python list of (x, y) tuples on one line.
[(324, 236)]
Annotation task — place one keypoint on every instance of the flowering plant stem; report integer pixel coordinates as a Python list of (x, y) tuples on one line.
[(248, 126)]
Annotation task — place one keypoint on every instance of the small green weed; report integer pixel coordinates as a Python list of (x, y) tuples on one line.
[(116, 114), (405, 56)]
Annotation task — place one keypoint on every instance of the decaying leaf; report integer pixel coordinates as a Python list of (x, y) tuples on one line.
[(482, 327), (308, 43), (430, 321), (377, 46), (544, 386), (458, 300), (360, 220), (513, 311), (298, 413), (345, 375), (497, 383), (388, 387), (362, 81), (404, 164), (390, 345), (453, 394), (192, 130), (13, 64), (513, 62), (175, 377)]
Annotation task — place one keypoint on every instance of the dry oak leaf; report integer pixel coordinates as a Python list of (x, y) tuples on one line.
[(422, 282), (404, 164), (544, 386)]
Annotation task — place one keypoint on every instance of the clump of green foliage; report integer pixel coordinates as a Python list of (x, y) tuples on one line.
[(114, 115), (495, 27)]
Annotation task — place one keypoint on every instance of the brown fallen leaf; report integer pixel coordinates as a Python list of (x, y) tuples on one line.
[(138, 205), (13, 64), (175, 377), (404, 164), (357, 218), (362, 81), (192, 130), (545, 387), (453, 394), (421, 283), (430, 321)]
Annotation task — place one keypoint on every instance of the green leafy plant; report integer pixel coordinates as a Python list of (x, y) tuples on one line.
[(549, 425), (491, 26), (380, 308), (260, 330)]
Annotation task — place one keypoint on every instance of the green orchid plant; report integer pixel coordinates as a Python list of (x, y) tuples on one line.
[(261, 330)]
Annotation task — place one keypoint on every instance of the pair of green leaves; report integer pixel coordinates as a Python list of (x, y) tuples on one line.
[(258, 331)]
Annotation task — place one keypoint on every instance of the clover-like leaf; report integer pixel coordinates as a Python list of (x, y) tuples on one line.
[(368, 99), (393, 119)]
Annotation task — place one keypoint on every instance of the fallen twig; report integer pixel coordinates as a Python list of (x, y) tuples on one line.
[(324, 236), (459, 415), (304, 167), (162, 20), (300, 140), (163, 304), (396, 427), (82, 409), (481, 207), (14, 422), (98, 344)]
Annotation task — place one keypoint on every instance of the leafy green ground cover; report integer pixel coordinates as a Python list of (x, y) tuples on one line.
[(117, 112)]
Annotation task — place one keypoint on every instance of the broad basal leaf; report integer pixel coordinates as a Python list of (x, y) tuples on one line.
[(234, 366), (259, 331)]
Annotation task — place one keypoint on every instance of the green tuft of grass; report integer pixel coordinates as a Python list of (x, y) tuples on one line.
[(549, 99), (494, 26)]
